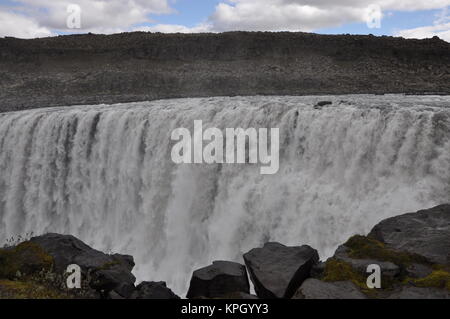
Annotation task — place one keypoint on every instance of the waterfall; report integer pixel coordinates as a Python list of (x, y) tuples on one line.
[(104, 174)]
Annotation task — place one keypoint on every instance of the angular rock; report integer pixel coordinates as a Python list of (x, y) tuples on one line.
[(219, 279), (278, 271), (318, 269), (426, 233), (153, 290), (410, 292), (323, 103), (106, 272), (115, 279), (125, 260), (67, 249), (316, 289)]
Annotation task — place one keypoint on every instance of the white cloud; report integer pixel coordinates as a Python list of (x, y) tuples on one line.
[(440, 28), (175, 28), (276, 15), (31, 18), (20, 26), (98, 16), (304, 15)]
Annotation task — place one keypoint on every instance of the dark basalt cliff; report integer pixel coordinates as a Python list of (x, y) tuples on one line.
[(80, 69)]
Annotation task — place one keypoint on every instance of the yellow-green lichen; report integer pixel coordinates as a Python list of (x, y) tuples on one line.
[(24, 259), (437, 279), (28, 290), (364, 247), (338, 270)]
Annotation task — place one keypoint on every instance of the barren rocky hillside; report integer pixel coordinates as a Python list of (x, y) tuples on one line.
[(80, 69)]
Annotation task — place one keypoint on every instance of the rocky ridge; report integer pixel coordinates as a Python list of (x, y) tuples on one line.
[(139, 66), (412, 251)]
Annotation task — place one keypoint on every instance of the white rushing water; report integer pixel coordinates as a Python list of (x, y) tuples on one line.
[(104, 174)]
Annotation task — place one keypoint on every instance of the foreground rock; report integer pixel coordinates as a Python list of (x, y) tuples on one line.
[(278, 271), (426, 233), (106, 272), (316, 289), (153, 290), (37, 269), (412, 251), (220, 279), (25, 272)]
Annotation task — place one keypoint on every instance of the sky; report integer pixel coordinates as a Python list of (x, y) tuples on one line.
[(406, 18)]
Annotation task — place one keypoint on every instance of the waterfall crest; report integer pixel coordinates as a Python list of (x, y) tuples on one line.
[(104, 174)]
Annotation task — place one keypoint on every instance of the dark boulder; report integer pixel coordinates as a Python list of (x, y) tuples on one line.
[(318, 269), (104, 272), (67, 250), (425, 233), (316, 289), (278, 271), (323, 103), (125, 260), (113, 278), (219, 279), (153, 290)]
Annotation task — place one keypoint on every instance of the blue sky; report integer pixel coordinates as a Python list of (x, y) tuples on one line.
[(188, 12), (408, 18)]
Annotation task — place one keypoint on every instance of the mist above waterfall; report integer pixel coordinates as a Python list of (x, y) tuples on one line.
[(105, 174)]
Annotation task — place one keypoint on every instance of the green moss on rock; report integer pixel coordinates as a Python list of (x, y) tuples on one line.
[(362, 247), (29, 290), (24, 259), (437, 279), (338, 270)]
